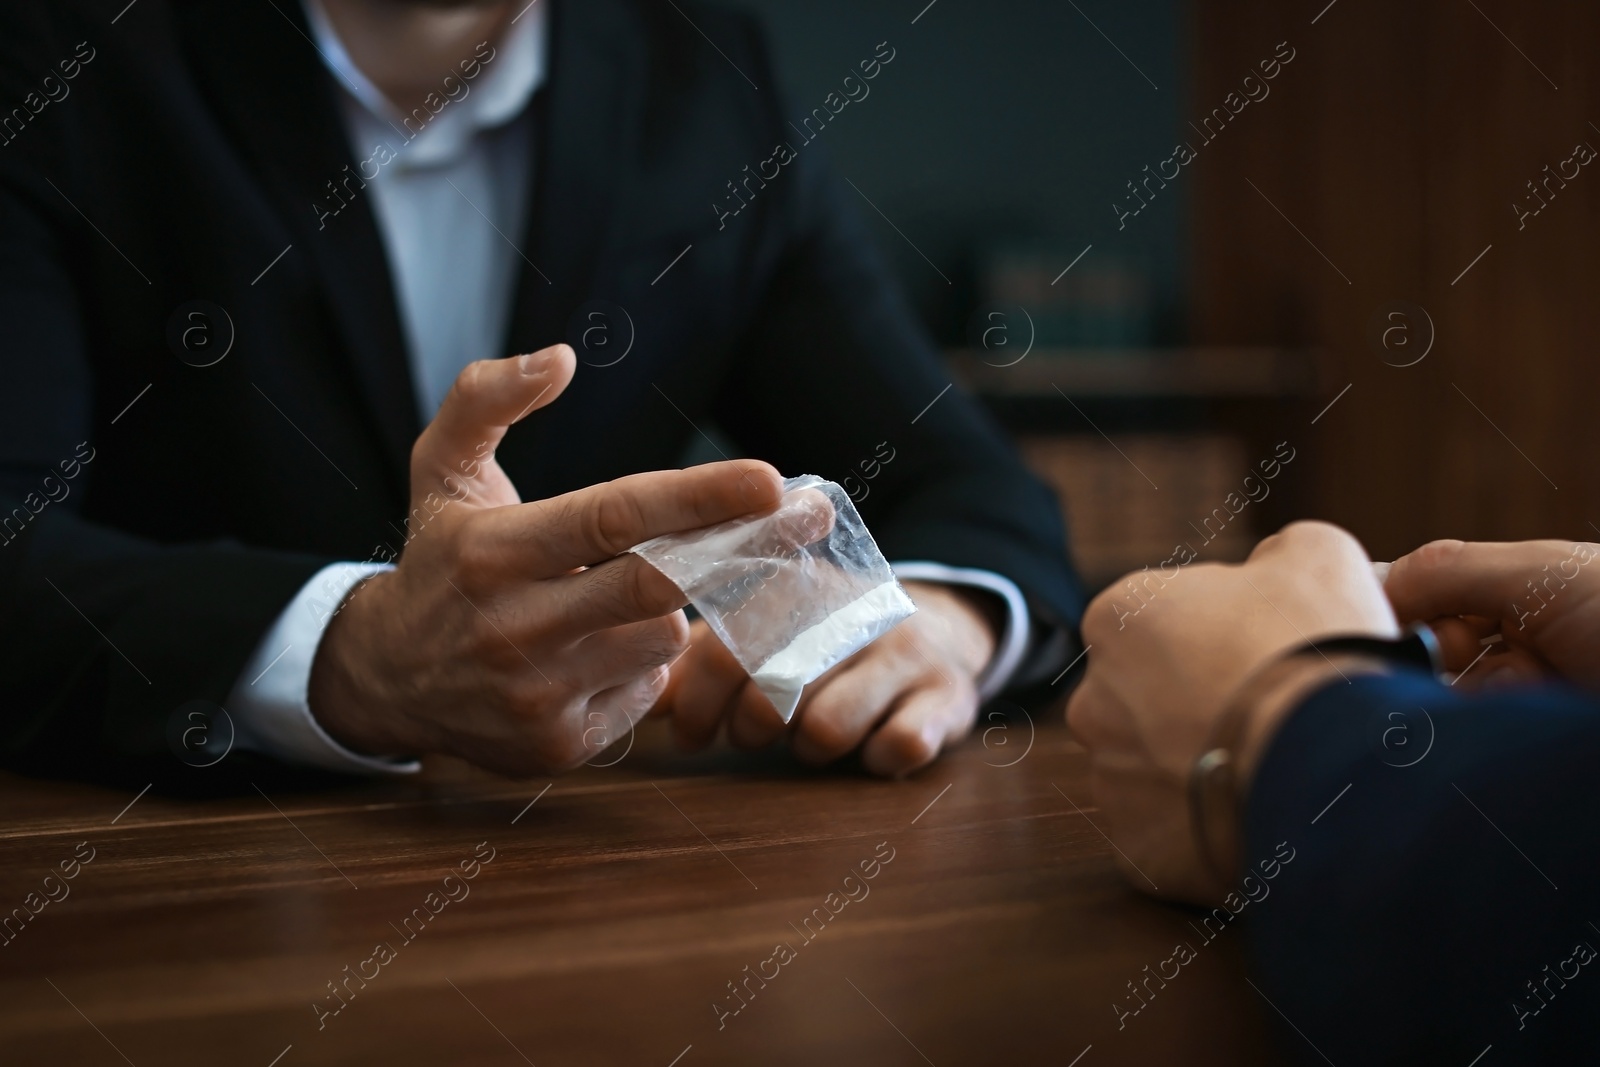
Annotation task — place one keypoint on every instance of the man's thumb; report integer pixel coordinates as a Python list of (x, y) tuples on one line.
[(488, 397)]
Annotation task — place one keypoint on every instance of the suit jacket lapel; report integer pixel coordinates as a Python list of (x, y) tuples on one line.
[(259, 67), (281, 108), (584, 124)]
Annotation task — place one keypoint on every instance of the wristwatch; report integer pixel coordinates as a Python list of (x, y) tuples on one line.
[(1216, 797)]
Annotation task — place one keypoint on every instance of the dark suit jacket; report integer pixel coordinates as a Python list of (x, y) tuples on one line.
[(1449, 898), (194, 144)]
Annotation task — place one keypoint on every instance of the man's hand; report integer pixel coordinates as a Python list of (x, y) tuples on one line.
[(1542, 598), (1159, 679), (901, 699), (514, 635)]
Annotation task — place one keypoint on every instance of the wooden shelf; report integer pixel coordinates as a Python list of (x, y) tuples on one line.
[(1179, 373)]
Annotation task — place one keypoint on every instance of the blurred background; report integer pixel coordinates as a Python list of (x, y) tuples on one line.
[(1376, 257)]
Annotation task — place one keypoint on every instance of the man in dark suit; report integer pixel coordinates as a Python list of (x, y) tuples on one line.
[(1412, 863), (253, 261)]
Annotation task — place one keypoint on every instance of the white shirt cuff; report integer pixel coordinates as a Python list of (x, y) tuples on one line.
[(1013, 643), (268, 704)]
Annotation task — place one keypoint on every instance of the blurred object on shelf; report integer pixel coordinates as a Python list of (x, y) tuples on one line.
[(1194, 421), (1120, 522), (1100, 303), (1136, 372)]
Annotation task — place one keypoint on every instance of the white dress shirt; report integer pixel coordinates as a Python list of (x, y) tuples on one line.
[(449, 199)]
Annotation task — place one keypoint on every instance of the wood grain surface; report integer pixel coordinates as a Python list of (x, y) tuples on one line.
[(617, 907), (1388, 165)]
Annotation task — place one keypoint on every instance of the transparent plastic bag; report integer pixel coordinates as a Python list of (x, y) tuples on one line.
[(790, 592)]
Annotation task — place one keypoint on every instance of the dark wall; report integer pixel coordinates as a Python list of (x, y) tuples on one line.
[(996, 122)]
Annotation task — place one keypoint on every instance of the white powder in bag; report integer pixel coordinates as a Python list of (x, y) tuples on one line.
[(853, 627)]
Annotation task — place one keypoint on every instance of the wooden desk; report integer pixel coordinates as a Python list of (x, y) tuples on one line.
[(613, 915)]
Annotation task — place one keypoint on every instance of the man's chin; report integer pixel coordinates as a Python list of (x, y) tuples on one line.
[(444, 5)]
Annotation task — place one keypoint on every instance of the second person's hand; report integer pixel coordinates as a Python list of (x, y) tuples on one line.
[(1541, 598), (1160, 680)]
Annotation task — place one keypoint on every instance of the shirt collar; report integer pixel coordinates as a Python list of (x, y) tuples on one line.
[(505, 82)]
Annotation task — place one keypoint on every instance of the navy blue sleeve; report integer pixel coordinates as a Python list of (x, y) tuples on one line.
[(1444, 891)]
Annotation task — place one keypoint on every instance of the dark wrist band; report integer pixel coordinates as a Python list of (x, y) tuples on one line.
[(1216, 795), (1417, 647)]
